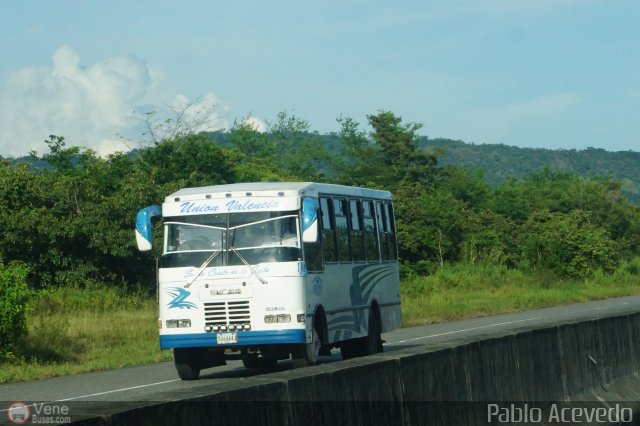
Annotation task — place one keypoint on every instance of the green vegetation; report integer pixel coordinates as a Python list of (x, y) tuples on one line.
[(72, 331), (77, 295), (472, 290), (13, 309)]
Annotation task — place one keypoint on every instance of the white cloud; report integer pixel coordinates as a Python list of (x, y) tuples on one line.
[(88, 105)]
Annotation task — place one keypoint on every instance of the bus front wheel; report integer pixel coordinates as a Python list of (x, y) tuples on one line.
[(187, 363), (307, 354)]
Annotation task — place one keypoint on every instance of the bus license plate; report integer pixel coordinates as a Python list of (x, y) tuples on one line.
[(226, 338)]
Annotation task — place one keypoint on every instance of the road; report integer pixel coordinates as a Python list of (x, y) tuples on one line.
[(157, 382)]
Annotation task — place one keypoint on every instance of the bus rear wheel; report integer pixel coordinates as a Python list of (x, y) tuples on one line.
[(372, 343)]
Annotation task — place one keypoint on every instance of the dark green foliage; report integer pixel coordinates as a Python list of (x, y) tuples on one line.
[(13, 308), (191, 160), (72, 221), (431, 224)]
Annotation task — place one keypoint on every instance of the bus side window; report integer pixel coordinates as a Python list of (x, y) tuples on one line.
[(357, 233), (370, 237), (329, 249), (342, 229), (383, 224), (393, 246)]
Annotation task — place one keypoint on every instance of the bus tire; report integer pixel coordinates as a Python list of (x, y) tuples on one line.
[(187, 363), (306, 355), (373, 342)]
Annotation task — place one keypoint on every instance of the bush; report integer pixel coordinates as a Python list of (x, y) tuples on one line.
[(13, 308), (569, 245)]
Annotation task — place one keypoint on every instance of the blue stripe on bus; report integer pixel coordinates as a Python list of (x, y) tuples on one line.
[(245, 338)]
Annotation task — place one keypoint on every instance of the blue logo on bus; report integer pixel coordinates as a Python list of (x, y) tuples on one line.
[(180, 295), (317, 286)]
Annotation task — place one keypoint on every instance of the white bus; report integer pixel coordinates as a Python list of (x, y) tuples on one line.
[(267, 271)]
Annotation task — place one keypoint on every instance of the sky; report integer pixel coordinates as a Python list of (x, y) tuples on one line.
[(556, 74)]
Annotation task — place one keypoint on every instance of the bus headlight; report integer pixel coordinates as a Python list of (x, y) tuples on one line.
[(284, 318), (179, 323), (272, 319)]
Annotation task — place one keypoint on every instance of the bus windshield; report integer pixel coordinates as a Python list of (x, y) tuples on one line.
[(241, 238)]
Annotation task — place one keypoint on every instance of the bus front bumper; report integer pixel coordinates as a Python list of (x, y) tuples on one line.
[(243, 338)]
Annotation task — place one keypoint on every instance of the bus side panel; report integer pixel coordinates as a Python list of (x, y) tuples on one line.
[(347, 292)]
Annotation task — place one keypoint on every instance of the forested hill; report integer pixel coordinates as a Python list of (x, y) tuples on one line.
[(499, 162)]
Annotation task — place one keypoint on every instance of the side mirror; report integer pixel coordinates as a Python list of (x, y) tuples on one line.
[(309, 220), (143, 226)]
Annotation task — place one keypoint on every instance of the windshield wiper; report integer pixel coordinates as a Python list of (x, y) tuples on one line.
[(237, 253), (202, 267)]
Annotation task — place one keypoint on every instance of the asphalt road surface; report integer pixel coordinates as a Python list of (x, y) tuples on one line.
[(156, 382)]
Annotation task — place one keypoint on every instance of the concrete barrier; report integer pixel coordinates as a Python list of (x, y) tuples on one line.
[(588, 365)]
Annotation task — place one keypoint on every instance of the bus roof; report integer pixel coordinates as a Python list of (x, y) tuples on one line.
[(275, 188)]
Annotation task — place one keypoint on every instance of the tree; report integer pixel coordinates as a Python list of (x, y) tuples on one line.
[(387, 157), (287, 151), (257, 155), (358, 163), (430, 224), (398, 151), (192, 160)]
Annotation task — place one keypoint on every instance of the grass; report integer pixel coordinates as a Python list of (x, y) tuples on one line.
[(472, 290), (72, 331)]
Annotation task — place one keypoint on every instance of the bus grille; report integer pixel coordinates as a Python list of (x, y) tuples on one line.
[(226, 313)]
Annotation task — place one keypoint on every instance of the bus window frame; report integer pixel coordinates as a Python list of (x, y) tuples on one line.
[(328, 217), (344, 213), (372, 215), (358, 204)]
